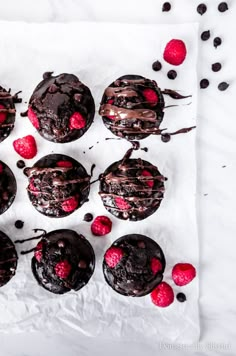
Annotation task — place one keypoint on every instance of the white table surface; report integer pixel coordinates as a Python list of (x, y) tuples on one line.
[(215, 148)]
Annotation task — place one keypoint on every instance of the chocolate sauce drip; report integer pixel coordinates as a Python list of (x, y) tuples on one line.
[(32, 238), (174, 94), (92, 169)]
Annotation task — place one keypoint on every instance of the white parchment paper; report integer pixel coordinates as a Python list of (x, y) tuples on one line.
[(98, 54)]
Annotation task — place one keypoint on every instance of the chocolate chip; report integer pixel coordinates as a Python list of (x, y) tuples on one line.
[(181, 297), (156, 66), (217, 42), (165, 137), (223, 86), (201, 9), (166, 7), (20, 164), (216, 67), (19, 224), (82, 264), (172, 74), (88, 217), (205, 35), (204, 83), (223, 6)]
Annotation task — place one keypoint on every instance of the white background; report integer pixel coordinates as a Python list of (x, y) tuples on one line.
[(215, 148)]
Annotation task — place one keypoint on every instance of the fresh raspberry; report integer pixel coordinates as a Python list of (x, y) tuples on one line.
[(113, 256), (156, 265), (151, 96), (38, 251), (1, 168), (150, 182), (33, 118), (25, 147), (122, 204), (110, 101), (64, 164), (101, 226), (175, 52), (183, 273), (77, 121), (70, 204), (3, 115), (162, 295), (62, 269), (32, 187)]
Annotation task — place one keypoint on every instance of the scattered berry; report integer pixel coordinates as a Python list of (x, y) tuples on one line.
[(1, 168), (113, 256), (33, 118), (151, 96), (62, 269), (204, 83), (77, 121), (156, 66), (156, 265), (217, 42), (65, 164), (32, 187), (88, 217), (201, 9), (101, 226), (223, 6), (165, 137), (70, 204), (110, 101), (183, 273), (25, 147), (205, 35), (175, 52), (38, 251), (150, 182), (3, 115), (181, 297), (20, 164), (162, 295), (172, 74), (166, 7), (122, 204), (223, 86), (19, 224), (216, 67)]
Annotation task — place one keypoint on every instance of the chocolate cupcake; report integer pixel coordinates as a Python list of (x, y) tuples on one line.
[(58, 185), (61, 108), (7, 112), (8, 259), (63, 261), (7, 187), (132, 189), (132, 107), (134, 265)]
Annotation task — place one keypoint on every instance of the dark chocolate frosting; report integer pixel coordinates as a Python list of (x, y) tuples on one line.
[(55, 100), (133, 275), (132, 189), (7, 187), (58, 185), (127, 112), (8, 259), (63, 245), (7, 109)]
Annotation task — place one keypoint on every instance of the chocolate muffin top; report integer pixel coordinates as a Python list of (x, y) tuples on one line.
[(58, 185), (61, 108), (8, 259), (134, 265), (132, 189), (7, 112), (63, 261), (132, 107), (7, 187)]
